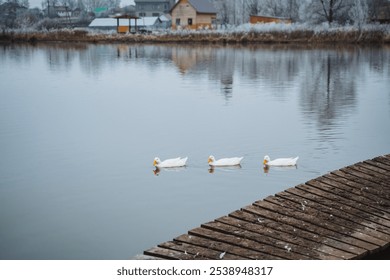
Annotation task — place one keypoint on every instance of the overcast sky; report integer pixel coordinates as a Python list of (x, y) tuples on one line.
[(37, 3)]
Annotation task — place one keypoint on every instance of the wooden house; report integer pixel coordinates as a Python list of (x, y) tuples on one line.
[(254, 19), (193, 14)]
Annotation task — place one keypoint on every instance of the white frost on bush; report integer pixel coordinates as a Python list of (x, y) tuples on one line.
[(322, 29)]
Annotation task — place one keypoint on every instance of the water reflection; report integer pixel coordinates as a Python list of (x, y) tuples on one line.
[(378, 59), (267, 168), (157, 170), (324, 78), (123, 51), (212, 169), (330, 92)]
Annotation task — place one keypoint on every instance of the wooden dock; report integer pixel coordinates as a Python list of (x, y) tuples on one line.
[(342, 215)]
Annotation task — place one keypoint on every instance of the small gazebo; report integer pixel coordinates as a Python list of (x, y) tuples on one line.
[(125, 28)]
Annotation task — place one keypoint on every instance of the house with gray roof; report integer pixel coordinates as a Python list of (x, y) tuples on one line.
[(193, 14)]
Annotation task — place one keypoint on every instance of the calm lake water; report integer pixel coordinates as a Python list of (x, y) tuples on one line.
[(80, 126)]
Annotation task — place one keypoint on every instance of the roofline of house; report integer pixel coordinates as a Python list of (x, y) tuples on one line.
[(201, 13)]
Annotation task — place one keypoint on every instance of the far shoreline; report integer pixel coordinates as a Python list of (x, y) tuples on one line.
[(265, 34)]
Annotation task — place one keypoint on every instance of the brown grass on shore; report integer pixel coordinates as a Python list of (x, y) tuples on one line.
[(377, 36)]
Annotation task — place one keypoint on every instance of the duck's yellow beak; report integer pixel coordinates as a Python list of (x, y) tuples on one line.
[(265, 162), (154, 163), (210, 160)]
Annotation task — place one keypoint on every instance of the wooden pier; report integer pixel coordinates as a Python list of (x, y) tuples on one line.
[(342, 215)]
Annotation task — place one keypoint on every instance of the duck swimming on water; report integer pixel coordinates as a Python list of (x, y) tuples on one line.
[(173, 162), (224, 161), (280, 161)]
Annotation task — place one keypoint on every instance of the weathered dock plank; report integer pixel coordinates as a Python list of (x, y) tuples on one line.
[(377, 166), (322, 227), (268, 252), (353, 177), (369, 174), (221, 247), (364, 176), (333, 182), (197, 251), (276, 247), (344, 214), (271, 237), (293, 235), (348, 198), (169, 254), (354, 188), (336, 216), (363, 186), (383, 159), (305, 229), (337, 209)]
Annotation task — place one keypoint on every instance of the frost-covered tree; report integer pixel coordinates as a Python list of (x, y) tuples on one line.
[(28, 18), (231, 11), (359, 12), (23, 3), (282, 8), (71, 4), (84, 5), (223, 8), (375, 9), (253, 6), (238, 11), (93, 4), (48, 6), (113, 3), (80, 4), (277, 8), (329, 10), (11, 11), (294, 8)]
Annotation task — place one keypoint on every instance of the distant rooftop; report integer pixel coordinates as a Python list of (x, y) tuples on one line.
[(202, 6)]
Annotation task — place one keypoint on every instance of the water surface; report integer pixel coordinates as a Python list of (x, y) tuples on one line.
[(80, 126)]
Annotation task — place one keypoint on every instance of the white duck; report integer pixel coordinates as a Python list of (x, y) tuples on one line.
[(173, 162), (280, 161), (224, 161)]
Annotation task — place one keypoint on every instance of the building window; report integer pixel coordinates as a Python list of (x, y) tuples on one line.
[(178, 21), (190, 21), (155, 14), (142, 14)]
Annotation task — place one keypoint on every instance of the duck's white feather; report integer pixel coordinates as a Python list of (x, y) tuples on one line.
[(280, 161), (173, 162), (225, 161)]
